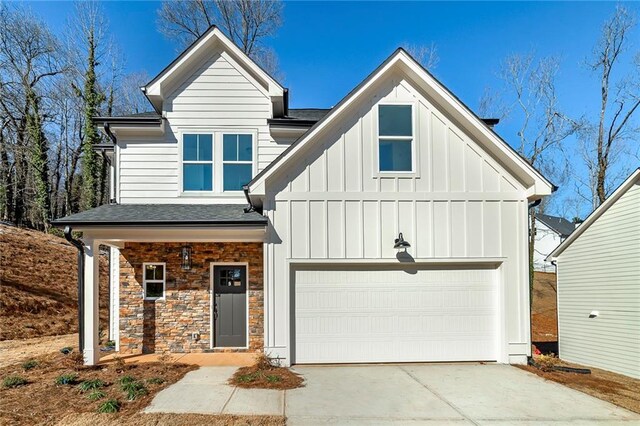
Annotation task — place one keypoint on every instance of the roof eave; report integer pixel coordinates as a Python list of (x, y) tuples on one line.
[(619, 192)]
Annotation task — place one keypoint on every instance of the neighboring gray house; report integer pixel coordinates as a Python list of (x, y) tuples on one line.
[(599, 285), (391, 228), (550, 232)]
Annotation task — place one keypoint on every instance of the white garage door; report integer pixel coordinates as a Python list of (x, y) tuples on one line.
[(389, 315)]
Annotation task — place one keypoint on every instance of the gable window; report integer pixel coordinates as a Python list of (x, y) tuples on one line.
[(395, 138), (237, 161), (197, 162), (154, 280)]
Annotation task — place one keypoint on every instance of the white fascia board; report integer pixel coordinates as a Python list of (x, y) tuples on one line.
[(154, 89), (622, 189), (119, 236), (538, 186)]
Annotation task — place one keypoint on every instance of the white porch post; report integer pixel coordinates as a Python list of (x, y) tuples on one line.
[(91, 280), (114, 295)]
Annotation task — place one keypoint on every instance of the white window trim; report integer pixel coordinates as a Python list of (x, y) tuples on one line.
[(223, 161), (414, 142), (183, 162), (163, 281), (217, 156)]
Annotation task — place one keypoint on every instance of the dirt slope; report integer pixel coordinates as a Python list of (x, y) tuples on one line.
[(544, 319), (38, 285)]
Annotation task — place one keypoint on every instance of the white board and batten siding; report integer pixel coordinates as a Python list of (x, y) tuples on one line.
[(219, 96), (331, 206), (600, 271)]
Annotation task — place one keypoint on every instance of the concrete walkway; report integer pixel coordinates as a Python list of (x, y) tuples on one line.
[(396, 394)]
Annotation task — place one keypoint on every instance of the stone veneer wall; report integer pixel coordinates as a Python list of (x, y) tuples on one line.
[(167, 325)]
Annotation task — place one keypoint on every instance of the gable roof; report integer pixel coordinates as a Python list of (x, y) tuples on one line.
[(538, 184), (622, 189), (559, 224), (153, 90)]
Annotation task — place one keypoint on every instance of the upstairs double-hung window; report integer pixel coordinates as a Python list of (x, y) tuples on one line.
[(197, 162), (395, 138), (237, 161)]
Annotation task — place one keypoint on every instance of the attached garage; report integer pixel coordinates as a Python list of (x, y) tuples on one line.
[(395, 314)]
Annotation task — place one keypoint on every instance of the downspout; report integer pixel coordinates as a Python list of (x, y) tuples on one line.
[(80, 247), (250, 207), (531, 235), (114, 140)]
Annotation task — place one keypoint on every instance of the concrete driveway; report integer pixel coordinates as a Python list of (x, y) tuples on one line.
[(397, 394)]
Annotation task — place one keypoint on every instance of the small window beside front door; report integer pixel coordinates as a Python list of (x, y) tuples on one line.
[(154, 281)]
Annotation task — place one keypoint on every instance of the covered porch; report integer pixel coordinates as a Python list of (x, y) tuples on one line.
[(185, 279)]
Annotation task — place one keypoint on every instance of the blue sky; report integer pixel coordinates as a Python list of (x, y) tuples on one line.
[(327, 48)]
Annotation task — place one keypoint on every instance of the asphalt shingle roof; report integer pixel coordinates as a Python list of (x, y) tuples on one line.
[(559, 224), (164, 214), (308, 113)]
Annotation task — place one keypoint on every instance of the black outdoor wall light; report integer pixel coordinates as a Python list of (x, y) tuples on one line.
[(400, 243), (186, 257)]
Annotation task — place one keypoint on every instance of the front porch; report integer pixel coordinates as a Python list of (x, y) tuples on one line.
[(190, 282)]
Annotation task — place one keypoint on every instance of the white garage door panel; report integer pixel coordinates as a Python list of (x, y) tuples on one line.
[(395, 316)]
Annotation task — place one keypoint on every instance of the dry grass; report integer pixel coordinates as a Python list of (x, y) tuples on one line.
[(615, 388), (41, 401), (140, 419), (38, 285), (264, 374), (544, 319)]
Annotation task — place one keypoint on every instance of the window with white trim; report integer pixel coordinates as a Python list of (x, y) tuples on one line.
[(395, 138), (197, 162), (154, 280), (237, 161)]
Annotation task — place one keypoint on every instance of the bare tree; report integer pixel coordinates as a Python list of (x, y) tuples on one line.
[(532, 101), (427, 56), (247, 22), (603, 142), (28, 60)]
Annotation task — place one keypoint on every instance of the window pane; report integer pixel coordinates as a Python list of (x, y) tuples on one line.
[(197, 177), (150, 272), (245, 148), (395, 156), (190, 148), (236, 175), (154, 290), (204, 148), (394, 120), (230, 147)]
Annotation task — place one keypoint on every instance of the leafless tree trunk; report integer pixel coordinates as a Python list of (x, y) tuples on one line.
[(619, 101)]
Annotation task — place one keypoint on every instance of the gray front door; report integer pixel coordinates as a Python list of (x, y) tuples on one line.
[(230, 306)]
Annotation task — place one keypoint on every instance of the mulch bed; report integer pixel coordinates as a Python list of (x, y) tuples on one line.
[(41, 401), (264, 375), (620, 390)]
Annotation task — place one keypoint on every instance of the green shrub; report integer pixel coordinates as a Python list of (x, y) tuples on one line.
[(248, 378), (110, 344), (126, 379), (28, 365), (134, 389), (67, 379), (95, 395), (88, 385), (13, 381), (66, 350), (155, 381), (109, 406), (273, 378)]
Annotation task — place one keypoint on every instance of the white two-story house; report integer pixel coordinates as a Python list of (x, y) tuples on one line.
[(390, 228), (550, 231)]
